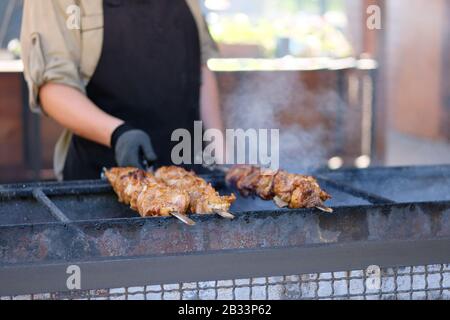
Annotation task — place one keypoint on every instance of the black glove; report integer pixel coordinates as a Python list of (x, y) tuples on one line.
[(132, 147)]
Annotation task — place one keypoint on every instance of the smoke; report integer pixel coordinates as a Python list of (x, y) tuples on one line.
[(279, 100)]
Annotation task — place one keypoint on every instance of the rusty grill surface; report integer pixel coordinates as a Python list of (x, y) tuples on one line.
[(388, 217)]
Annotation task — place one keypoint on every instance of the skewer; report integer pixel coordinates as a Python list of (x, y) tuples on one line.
[(283, 204), (204, 198), (279, 202), (225, 215), (142, 189), (103, 173), (324, 209), (183, 218), (244, 179)]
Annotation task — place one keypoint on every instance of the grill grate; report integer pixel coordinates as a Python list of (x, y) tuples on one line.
[(82, 223), (402, 283)]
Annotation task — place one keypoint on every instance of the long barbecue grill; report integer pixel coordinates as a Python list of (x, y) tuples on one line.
[(388, 217)]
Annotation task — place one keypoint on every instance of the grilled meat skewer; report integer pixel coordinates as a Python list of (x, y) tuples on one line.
[(299, 191), (146, 195), (286, 189), (204, 199)]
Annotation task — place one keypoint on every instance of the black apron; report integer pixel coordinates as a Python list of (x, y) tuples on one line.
[(148, 75)]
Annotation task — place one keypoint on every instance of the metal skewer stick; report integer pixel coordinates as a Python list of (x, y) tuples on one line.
[(183, 218), (103, 173), (279, 202), (225, 215), (282, 204), (324, 209)]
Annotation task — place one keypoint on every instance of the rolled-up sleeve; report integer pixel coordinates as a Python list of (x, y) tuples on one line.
[(50, 49)]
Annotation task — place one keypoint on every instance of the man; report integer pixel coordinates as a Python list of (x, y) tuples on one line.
[(122, 81)]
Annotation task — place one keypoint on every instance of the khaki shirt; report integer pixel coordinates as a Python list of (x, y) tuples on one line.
[(54, 51)]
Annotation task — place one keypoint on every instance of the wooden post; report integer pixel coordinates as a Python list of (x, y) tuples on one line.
[(378, 49), (371, 43)]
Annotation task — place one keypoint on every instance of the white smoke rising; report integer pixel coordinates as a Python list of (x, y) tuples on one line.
[(278, 101)]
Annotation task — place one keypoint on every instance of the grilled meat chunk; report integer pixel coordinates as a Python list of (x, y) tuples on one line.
[(298, 191), (145, 194), (287, 189), (159, 200), (204, 199), (118, 178), (264, 187), (237, 172)]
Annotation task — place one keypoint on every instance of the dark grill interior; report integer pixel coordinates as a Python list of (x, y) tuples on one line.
[(23, 210), (79, 202), (413, 184), (83, 206), (94, 200)]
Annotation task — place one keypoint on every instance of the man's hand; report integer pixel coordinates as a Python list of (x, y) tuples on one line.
[(132, 147)]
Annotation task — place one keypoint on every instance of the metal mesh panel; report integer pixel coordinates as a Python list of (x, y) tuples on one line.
[(406, 283)]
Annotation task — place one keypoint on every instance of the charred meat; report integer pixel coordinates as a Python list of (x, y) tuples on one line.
[(204, 199), (145, 194), (286, 189)]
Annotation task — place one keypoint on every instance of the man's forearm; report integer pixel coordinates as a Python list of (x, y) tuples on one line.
[(74, 111)]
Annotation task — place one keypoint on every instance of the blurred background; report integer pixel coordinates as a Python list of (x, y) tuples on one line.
[(342, 95)]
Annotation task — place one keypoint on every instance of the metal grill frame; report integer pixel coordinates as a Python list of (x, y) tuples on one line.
[(210, 265)]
